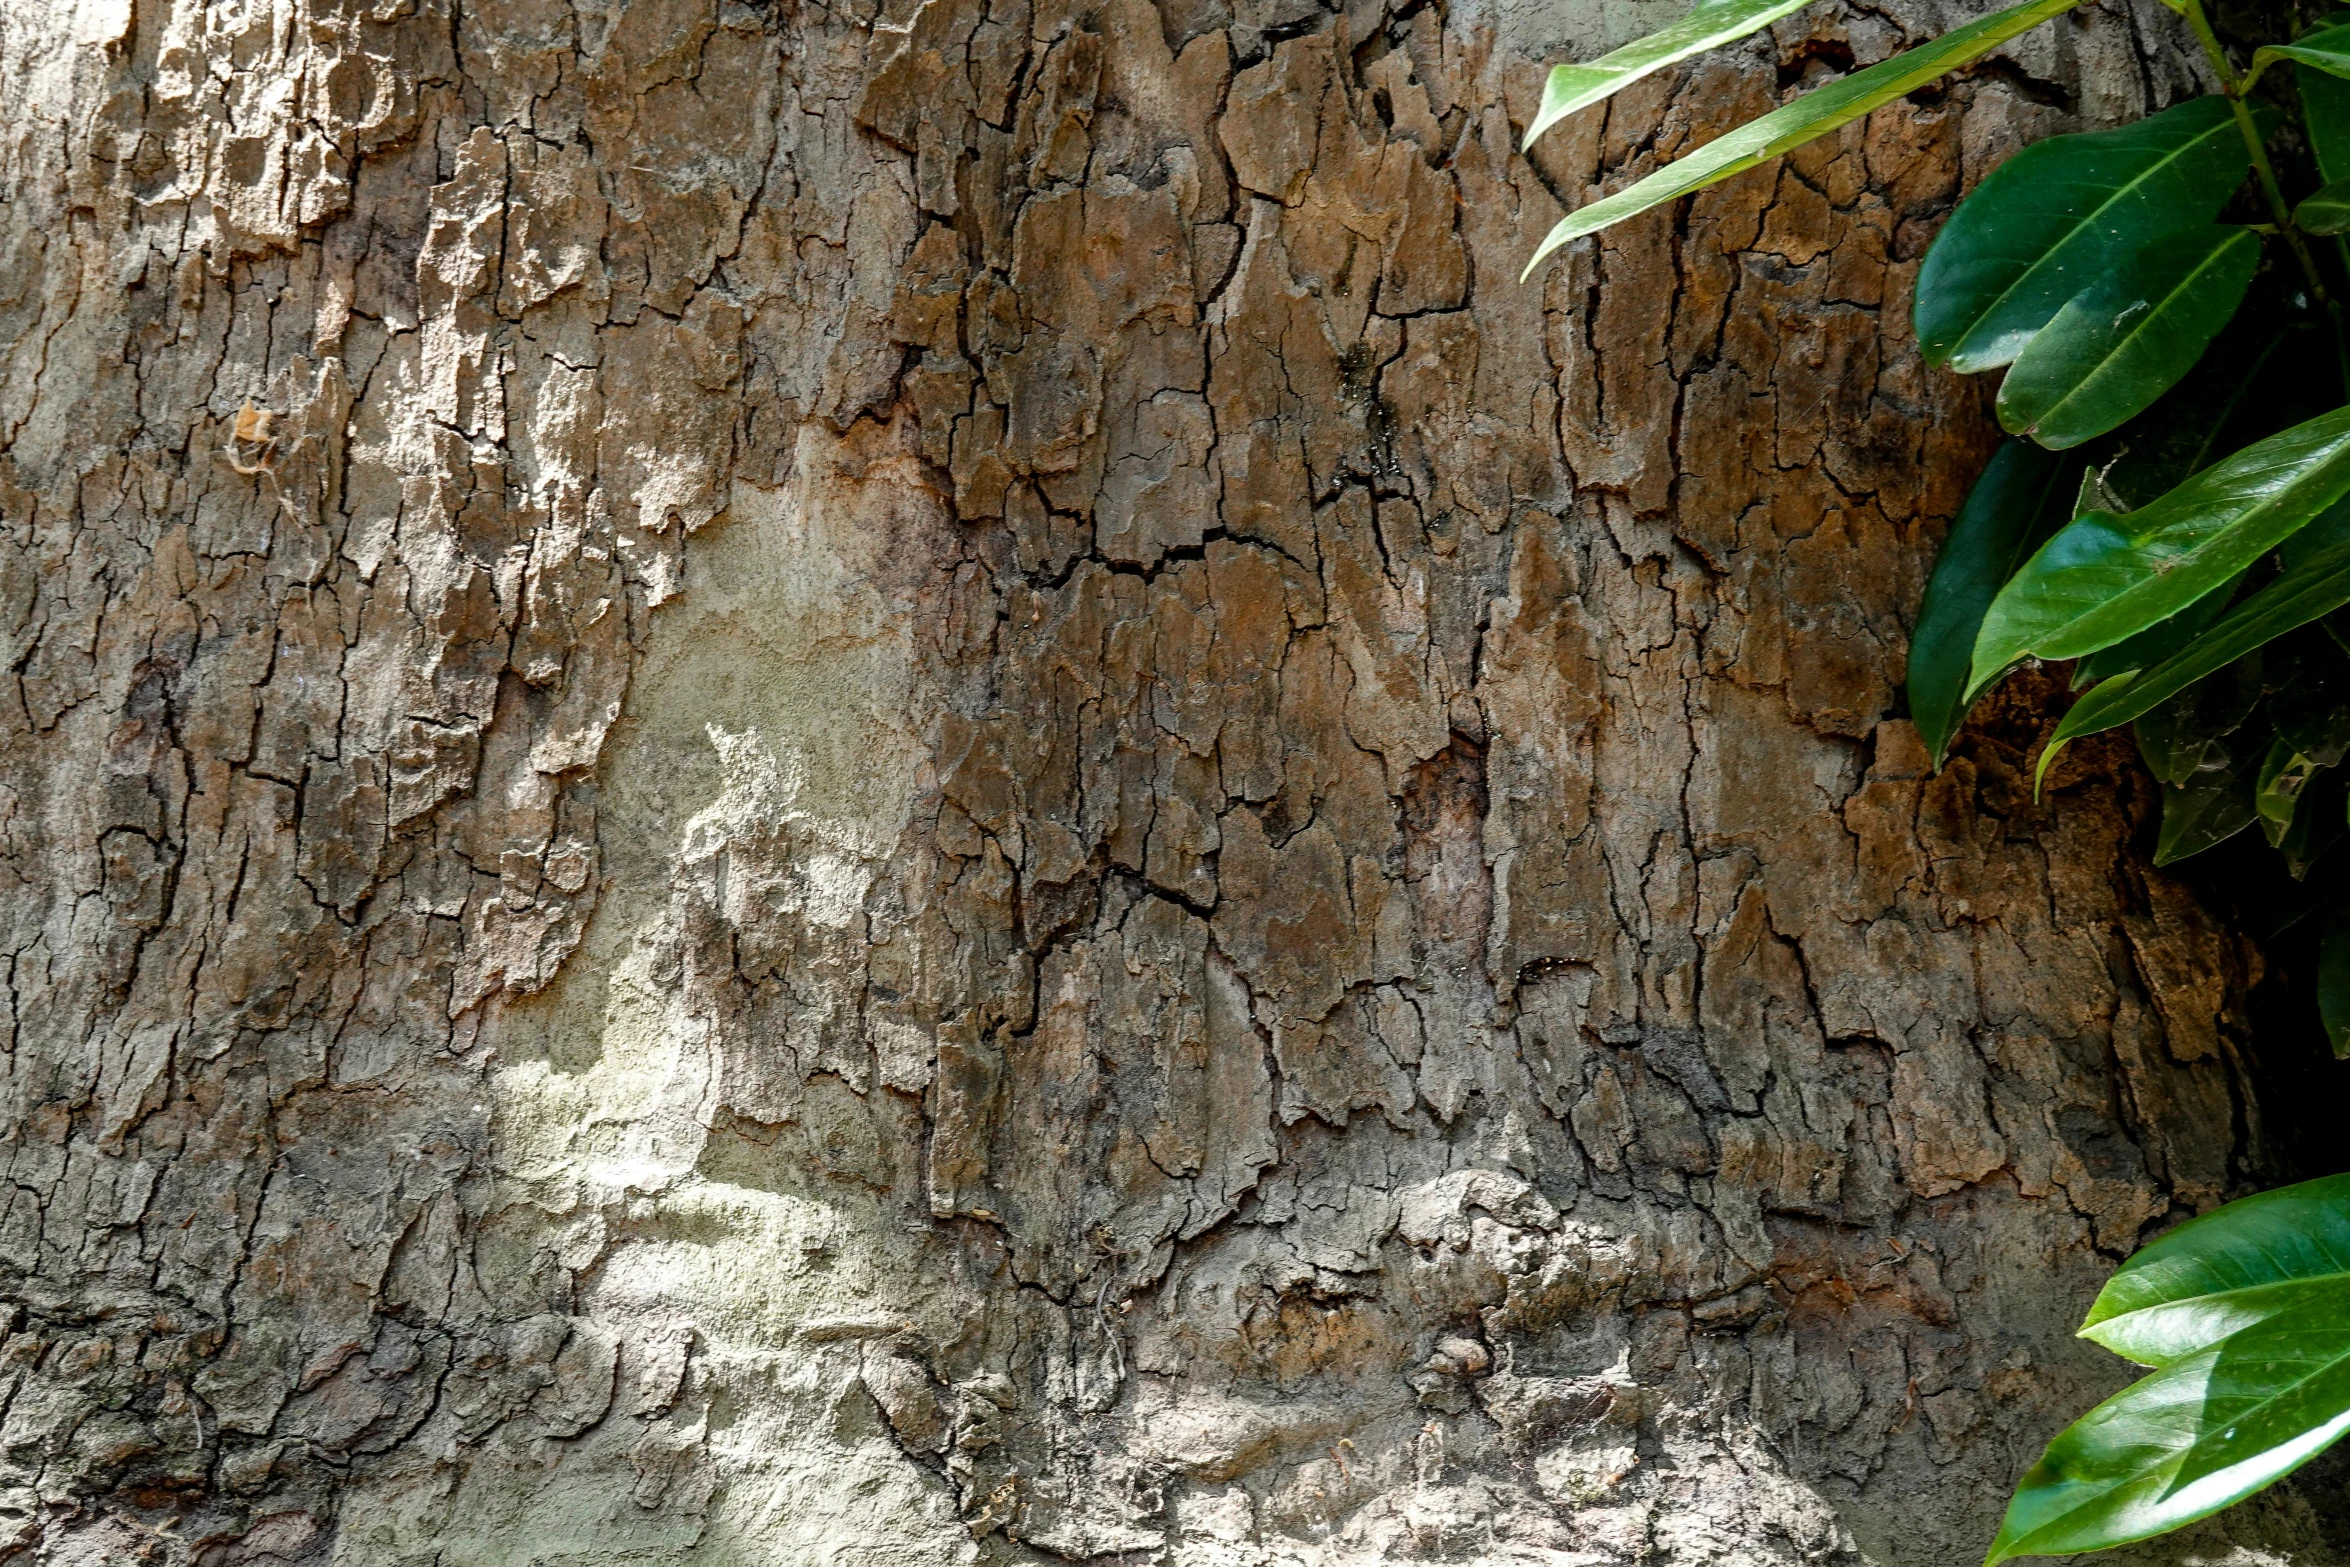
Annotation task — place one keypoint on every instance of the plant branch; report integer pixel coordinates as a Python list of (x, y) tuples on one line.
[(2233, 86)]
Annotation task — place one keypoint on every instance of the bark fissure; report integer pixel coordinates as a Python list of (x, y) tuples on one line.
[(923, 783)]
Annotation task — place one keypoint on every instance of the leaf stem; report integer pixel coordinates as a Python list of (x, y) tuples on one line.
[(2233, 86)]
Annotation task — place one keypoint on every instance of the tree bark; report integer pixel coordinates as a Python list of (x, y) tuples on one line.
[(792, 784)]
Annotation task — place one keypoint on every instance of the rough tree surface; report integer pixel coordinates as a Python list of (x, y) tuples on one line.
[(793, 784)]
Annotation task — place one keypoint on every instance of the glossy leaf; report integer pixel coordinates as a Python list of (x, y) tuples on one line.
[(2298, 596), (2327, 49), (1809, 117), (2203, 1432), (2326, 530), (2333, 981), (2326, 212), (2121, 343), (2188, 1289), (2105, 577), (2057, 216), (2024, 495), (2156, 643), (1573, 87)]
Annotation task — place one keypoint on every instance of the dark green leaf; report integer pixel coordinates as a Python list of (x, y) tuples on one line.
[(2325, 115), (2208, 809), (1813, 115), (2265, 374), (2326, 530), (2196, 731), (2312, 706), (2203, 1432), (2190, 1288), (2317, 823), (2327, 212), (2125, 340), (2105, 577), (2298, 596), (2022, 497), (2333, 982), (2156, 643), (1573, 87), (2056, 217), (2327, 49)]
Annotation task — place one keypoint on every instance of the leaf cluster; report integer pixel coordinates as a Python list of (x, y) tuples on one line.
[(2171, 516), (2243, 1317)]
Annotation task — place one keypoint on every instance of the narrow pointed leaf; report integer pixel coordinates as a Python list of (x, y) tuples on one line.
[(1813, 115), (2057, 216), (2325, 212), (2128, 338), (2172, 1298), (2327, 49), (2156, 643), (2105, 577), (2300, 595), (1573, 87), (2023, 496), (2203, 1432)]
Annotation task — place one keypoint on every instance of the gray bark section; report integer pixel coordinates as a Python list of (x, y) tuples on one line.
[(785, 785)]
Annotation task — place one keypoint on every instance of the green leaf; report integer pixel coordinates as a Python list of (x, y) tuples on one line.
[(2325, 115), (2188, 1289), (2316, 827), (2312, 708), (1573, 87), (2327, 49), (2022, 497), (2106, 577), (2057, 216), (2206, 810), (2262, 376), (2122, 342), (2285, 774), (2333, 982), (2326, 212), (2195, 731), (2299, 595), (2203, 1432), (1813, 115), (2156, 643)]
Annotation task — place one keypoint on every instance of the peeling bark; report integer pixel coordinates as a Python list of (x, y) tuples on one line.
[(794, 784)]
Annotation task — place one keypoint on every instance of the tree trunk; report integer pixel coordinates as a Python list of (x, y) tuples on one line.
[(797, 786)]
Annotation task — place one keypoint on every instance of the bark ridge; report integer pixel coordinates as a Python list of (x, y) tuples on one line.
[(920, 783)]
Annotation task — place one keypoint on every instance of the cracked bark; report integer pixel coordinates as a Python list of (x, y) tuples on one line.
[(796, 784)]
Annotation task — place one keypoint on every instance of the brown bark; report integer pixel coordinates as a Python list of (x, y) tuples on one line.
[(791, 785)]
